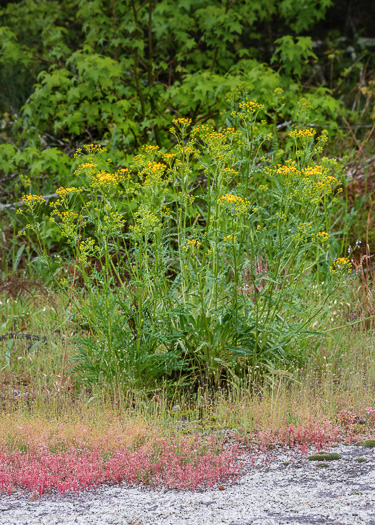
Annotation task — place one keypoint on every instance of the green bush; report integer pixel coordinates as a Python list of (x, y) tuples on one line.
[(118, 73)]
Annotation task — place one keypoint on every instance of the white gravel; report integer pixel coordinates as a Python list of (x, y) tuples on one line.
[(299, 493)]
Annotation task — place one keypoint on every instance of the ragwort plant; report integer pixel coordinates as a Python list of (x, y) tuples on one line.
[(195, 262)]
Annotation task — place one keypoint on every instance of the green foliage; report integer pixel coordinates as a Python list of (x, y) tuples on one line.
[(293, 55), (117, 73)]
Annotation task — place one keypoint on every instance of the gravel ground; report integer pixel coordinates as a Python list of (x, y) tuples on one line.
[(341, 493)]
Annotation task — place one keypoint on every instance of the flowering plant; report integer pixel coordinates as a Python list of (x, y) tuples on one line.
[(195, 262)]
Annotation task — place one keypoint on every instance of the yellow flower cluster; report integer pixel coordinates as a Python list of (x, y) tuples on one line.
[(237, 92), (310, 182), (154, 172), (187, 150), (91, 150), (217, 142), (151, 170), (229, 237), (288, 170), (67, 215), (251, 107), (202, 129), (149, 149), (341, 265), (108, 181), (104, 178), (87, 165), (68, 224), (191, 244), (182, 122), (323, 236), (114, 221), (302, 134), (87, 248), (231, 133), (239, 204), (139, 160), (33, 199), (229, 198), (189, 199), (94, 148), (169, 157), (147, 222), (303, 231), (304, 227), (305, 105), (229, 173), (65, 191)]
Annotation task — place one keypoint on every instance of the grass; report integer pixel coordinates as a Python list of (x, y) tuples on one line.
[(339, 376)]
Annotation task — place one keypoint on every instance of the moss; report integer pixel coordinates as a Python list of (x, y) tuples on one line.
[(322, 465), (369, 443), (361, 460), (286, 463), (325, 456)]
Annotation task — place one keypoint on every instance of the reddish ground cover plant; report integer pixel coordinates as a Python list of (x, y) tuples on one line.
[(312, 434), (346, 418), (190, 464), (63, 456), (370, 415)]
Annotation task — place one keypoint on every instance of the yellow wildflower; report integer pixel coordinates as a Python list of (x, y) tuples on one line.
[(30, 199), (302, 134), (251, 107), (65, 191), (193, 243), (239, 204), (324, 236), (341, 265), (182, 122)]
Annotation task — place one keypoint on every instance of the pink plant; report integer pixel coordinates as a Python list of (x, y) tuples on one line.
[(371, 415), (346, 418), (188, 465), (313, 433)]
